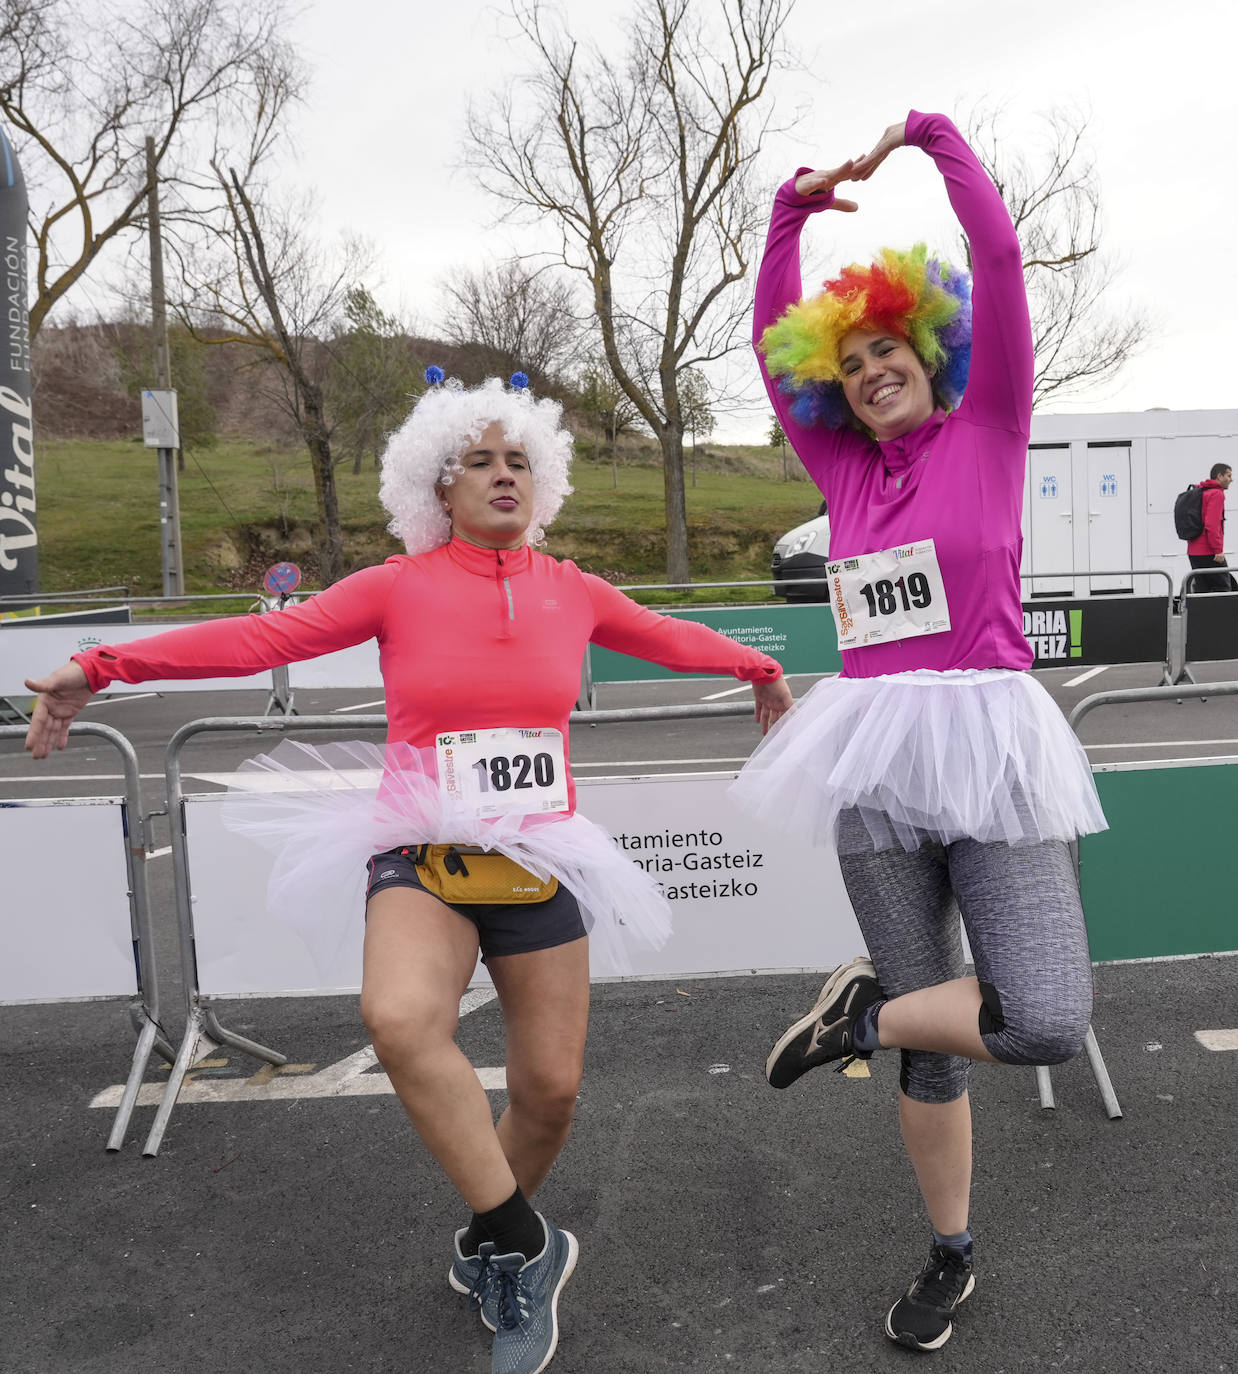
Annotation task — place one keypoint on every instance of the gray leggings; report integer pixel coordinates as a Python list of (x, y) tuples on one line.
[(1020, 906)]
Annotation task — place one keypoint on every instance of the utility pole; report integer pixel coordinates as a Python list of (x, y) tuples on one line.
[(169, 497)]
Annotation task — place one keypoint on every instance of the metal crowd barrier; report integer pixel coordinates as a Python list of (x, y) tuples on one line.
[(1180, 669), (144, 1010), (1084, 708)]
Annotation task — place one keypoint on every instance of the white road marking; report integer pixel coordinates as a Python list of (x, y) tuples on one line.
[(293, 1088), (652, 763), (1085, 677), (1218, 1039), (730, 692), (258, 780), (1163, 743), (362, 706), (159, 853), (350, 1077), (74, 777)]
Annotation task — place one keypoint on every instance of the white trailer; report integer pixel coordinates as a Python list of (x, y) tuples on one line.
[(1100, 496)]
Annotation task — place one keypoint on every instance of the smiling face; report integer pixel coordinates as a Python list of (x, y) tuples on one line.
[(491, 501), (885, 383)]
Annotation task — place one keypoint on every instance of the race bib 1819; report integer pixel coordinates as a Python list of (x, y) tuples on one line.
[(894, 594), (505, 772)]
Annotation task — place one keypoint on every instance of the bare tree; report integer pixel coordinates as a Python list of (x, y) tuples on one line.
[(643, 163), (601, 397), (248, 270), (83, 84), (1053, 195), (523, 320)]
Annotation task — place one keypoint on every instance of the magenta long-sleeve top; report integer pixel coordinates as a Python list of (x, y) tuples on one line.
[(957, 479)]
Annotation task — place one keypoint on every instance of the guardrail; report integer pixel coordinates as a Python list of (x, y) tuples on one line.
[(145, 1009)]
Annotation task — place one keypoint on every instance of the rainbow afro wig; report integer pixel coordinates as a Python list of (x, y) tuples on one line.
[(921, 299)]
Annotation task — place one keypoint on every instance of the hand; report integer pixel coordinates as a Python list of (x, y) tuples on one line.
[(1218, 558), (894, 137), (772, 700), (813, 182), (62, 694)]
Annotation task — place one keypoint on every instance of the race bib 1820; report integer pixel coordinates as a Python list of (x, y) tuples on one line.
[(894, 594), (505, 772)]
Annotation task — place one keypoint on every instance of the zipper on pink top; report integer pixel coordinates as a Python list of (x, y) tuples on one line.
[(508, 602)]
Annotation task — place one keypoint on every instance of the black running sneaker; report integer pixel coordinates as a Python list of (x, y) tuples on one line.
[(920, 1319), (826, 1032)]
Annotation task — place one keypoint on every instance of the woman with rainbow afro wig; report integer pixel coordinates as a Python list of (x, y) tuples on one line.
[(920, 299), (941, 772)]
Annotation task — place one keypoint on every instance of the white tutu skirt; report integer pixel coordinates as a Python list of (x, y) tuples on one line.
[(325, 811), (924, 755)]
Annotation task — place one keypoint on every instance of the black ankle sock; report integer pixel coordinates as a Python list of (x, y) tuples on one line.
[(864, 1037), (513, 1227), (471, 1241)]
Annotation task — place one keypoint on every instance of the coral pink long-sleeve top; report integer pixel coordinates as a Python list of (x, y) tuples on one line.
[(469, 639), (957, 479)]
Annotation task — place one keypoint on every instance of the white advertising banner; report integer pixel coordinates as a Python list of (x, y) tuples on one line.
[(743, 897), (64, 920)]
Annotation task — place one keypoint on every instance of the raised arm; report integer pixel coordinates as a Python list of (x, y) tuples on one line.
[(779, 286), (685, 646), (999, 383)]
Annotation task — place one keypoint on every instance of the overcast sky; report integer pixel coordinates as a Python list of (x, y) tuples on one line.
[(381, 143)]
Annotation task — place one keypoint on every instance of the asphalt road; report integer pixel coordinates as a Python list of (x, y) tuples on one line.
[(723, 1226)]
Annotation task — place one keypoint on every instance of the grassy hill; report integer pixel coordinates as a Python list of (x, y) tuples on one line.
[(246, 505)]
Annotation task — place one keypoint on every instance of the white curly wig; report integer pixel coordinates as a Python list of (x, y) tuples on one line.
[(442, 426)]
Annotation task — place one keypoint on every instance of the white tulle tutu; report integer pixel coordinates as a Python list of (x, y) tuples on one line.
[(973, 753), (324, 811)]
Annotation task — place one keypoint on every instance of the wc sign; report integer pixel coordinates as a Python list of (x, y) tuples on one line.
[(1048, 487), (1109, 484)]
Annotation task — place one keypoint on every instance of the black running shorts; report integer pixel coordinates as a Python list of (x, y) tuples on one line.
[(509, 928)]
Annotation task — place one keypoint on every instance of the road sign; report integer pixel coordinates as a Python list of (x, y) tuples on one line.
[(281, 579)]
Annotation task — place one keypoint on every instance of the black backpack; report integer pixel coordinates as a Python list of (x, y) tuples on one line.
[(1189, 513)]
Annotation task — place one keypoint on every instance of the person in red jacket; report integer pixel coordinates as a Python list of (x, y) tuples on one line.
[(1207, 550)]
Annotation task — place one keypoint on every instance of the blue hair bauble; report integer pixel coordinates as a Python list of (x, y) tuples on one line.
[(434, 375), (519, 381)]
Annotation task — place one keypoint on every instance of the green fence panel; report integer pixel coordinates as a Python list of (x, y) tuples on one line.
[(801, 638), (1160, 880)]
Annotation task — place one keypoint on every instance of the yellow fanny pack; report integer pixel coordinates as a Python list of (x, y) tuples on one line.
[(465, 875)]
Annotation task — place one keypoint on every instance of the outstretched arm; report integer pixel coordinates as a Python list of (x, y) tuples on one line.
[(347, 613), (686, 646)]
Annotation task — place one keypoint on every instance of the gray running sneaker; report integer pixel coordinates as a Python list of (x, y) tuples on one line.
[(527, 1291), (472, 1276), (826, 1032), (921, 1318)]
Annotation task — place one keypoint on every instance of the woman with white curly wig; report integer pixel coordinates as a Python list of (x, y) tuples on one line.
[(468, 841)]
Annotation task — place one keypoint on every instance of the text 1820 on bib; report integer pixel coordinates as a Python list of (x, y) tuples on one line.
[(894, 594), (505, 772)]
